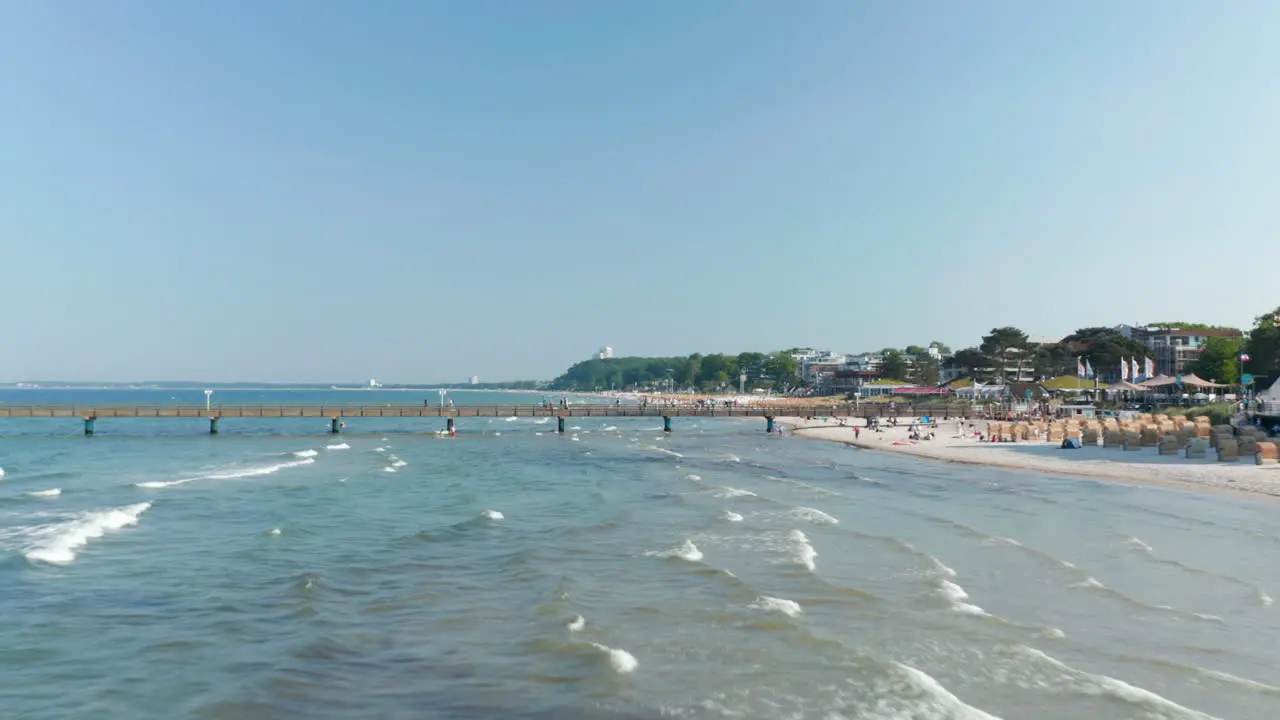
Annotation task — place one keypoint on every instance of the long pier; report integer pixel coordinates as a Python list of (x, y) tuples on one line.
[(337, 413)]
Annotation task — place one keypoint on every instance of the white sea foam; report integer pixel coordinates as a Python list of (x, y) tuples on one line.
[(1102, 685), (1137, 544), (1263, 597), (664, 451), (1052, 633), (733, 492), (997, 540), (492, 515), (1210, 618), (610, 428), (59, 542), (1243, 682), (802, 553), (687, 551), (305, 453), (246, 472), (813, 515), (951, 591), (733, 458), (51, 492), (379, 449), (339, 446), (620, 660), (731, 516), (787, 607), (399, 463), (1089, 582), (956, 596), (575, 439), (941, 568), (577, 624), (936, 700), (273, 531), (694, 478), (388, 469), (543, 421), (576, 427), (1, 472), (513, 418), (970, 609)]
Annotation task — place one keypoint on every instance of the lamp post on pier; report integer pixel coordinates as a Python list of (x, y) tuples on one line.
[(208, 400)]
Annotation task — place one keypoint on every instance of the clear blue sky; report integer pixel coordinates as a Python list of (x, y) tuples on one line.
[(422, 191)]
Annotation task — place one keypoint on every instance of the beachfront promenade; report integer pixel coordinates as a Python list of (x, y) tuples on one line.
[(337, 413)]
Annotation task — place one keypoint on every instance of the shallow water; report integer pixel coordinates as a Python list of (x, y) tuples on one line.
[(509, 572)]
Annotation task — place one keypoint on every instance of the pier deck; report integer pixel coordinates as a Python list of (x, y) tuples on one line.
[(410, 411)]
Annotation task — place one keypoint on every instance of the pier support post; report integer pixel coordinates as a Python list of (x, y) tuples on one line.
[(666, 423), (560, 424), (768, 424), (88, 424), (213, 425), (449, 426), (335, 426)]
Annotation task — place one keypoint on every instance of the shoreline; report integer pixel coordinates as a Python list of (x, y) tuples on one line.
[(1144, 468)]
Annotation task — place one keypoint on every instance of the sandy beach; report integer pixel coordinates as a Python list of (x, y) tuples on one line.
[(1144, 466)]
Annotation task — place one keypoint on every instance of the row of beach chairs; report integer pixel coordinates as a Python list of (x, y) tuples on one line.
[(1169, 435)]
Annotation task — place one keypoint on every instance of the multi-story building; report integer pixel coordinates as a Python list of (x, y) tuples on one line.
[(1175, 350), (817, 369)]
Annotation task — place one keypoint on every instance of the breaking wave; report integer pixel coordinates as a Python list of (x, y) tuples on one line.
[(58, 543), (247, 472)]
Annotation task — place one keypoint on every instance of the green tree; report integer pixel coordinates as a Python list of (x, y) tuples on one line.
[(893, 364), (1003, 342), (973, 361), (1219, 360), (925, 368), (751, 363), (691, 370), (1052, 360), (1104, 348), (784, 370), (1263, 347)]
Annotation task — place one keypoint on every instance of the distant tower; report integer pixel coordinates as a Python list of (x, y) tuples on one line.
[(475, 379), (374, 383), (606, 352)]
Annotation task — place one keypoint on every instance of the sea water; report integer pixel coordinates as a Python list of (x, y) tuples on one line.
[(277, 571)]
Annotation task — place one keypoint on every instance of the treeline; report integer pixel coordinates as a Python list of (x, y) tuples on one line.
[(1008, 348), (715, 372)]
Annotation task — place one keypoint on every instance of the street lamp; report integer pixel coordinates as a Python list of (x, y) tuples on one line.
[(208, 399), (442, 394)]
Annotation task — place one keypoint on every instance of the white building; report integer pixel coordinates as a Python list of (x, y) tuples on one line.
[(475, 379), (818, 369), (374, 383), (865, 362), (605, 353)]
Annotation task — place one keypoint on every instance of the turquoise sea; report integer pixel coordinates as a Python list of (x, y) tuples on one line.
[(277, 571)]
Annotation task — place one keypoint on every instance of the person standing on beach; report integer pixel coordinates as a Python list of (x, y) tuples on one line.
[(857, 432)]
